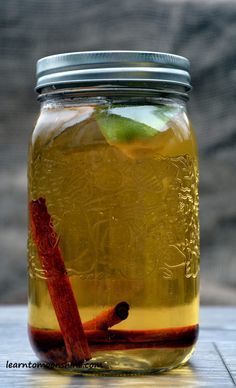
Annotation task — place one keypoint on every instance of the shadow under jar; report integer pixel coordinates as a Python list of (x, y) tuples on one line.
[(113, 241)]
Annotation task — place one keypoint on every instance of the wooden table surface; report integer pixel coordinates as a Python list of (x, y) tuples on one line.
[(212, 365)]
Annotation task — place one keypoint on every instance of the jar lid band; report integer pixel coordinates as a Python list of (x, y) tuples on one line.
[(112, 67)]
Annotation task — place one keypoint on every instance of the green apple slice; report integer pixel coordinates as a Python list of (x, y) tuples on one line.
[(135, 129)]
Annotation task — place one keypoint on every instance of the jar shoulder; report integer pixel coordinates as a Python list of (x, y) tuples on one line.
[(163, 128)]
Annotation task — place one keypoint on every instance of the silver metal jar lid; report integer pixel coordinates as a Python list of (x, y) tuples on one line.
[(112, 67)]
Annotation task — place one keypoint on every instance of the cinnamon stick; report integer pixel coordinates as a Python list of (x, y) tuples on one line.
[(162, 336), (50, 342), (108, 318), (58, 283)]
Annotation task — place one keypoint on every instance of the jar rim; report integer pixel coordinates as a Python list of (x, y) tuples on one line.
[(112, 66)]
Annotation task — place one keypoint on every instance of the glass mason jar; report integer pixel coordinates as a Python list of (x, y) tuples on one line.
[(113, 214)]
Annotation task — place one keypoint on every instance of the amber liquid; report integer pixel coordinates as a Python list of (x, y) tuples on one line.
[(127, 219)]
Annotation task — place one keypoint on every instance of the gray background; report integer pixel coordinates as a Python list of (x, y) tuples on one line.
[(205, 32)]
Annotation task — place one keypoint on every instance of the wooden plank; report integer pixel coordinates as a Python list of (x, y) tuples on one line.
[(218, 318), (213, 364), (227, 351)]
